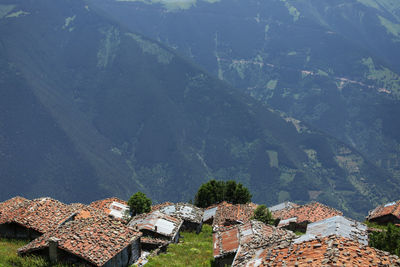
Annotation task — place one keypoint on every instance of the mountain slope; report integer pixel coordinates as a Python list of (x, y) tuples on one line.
[(103, 111), (333, 64)]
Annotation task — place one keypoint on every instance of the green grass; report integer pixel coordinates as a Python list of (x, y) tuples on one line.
[(10, 258), (192, 250)]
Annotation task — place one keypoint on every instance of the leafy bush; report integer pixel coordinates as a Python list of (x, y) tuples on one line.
[(139, 203), (263, 214), (387, 240), (214, 192)]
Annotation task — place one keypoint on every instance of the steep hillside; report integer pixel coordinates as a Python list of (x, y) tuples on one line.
[(91, 109), (334, 64)]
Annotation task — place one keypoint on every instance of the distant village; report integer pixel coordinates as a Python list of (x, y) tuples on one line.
[(100, 234)]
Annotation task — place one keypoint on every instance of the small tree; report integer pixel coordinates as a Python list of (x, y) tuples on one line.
[(388, 239), (139, 203), (263, 214), (214, 192)]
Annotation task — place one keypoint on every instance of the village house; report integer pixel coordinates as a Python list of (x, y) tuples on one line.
[(296, 218), (232, 214), (191, 215), (387, 213), (28, 219), (326, 251), (159, 229), (89, 240), (339, 226), (114, 207), (228, 241)]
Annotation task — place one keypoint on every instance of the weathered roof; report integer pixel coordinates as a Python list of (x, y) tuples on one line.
[(161, 205), (230, 214), (185, 211), (42, 214), (157, 222), (96, 239), (311, 212), (392, 208), (283, 205), (247, 236), (339, 226), (9, 205), (327, 251), (112, 206)]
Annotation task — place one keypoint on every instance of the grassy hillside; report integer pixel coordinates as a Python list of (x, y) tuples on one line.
[(9, 257), (192, 250)]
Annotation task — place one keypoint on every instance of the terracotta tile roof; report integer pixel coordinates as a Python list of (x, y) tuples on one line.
[(96, 239), (161, 205), (247, 236), (327, 251), (7, 207), (111, 206), (157, 222), (184, 211), (392, 208), (311, 212), (230, 214), (42, 214)]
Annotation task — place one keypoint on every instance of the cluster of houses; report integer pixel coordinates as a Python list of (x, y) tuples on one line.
[(100, 234), (328, 239)]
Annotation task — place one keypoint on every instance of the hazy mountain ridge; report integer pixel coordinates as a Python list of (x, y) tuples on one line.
[(122, 113), (334, 64)]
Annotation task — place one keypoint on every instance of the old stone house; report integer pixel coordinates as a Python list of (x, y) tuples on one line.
[(28, 219), (229, 241), (387, 213), (296, 218), (232, 214), (158, 229), (325, 251), (191, 215), (114, 207), (89, 240)]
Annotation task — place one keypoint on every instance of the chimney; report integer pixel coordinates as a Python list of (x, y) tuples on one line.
[(53, 244)]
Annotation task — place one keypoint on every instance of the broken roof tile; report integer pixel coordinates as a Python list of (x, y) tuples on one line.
[(326, 251)]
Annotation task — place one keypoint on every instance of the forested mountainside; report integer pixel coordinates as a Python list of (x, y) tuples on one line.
[(333, 64), (89, 108)]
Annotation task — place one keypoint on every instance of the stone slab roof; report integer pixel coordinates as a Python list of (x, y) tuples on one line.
[(157, 222), (311, 212), (283, 205), (95, 239), (392, 208), (42, 214), (229, 214), (339, 226), (185, 211), (327, 251)]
